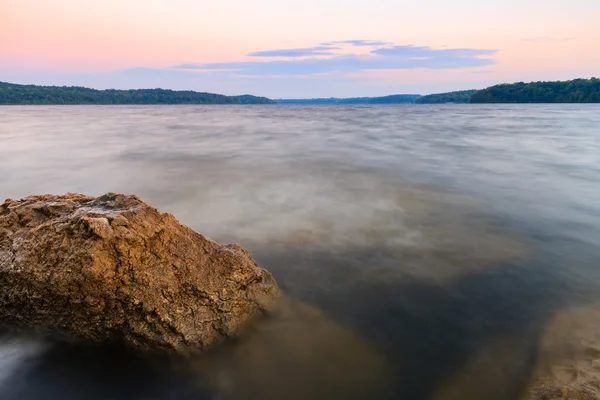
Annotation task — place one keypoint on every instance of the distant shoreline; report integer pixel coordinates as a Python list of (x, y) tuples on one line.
[(14, 94), (560, 92)]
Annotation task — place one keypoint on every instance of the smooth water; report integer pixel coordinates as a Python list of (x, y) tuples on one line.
[(428, 248)]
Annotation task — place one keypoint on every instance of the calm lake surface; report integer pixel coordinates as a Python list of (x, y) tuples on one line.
[(427, 249)]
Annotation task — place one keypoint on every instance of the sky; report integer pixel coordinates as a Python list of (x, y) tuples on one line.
[(298, 49)]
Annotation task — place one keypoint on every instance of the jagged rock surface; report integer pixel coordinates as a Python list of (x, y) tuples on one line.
[(114, 268)]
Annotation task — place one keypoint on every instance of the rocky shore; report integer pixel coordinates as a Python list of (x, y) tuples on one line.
[(113, 268)]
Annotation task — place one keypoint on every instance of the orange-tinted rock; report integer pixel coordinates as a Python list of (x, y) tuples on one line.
[(114, 268)]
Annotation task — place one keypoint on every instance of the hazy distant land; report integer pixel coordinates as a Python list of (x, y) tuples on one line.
[(574, 91), (393, 99)]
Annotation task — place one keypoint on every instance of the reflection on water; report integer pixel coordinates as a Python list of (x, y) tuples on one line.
[(15, 352), (65, 371), (427, 251)]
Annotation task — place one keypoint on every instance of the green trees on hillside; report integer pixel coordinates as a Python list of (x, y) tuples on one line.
[(575, 91), (32, 94), (462, 96)]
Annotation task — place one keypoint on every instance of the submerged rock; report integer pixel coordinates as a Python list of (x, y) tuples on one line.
[(297, 354), (114, 268), (568, 359)]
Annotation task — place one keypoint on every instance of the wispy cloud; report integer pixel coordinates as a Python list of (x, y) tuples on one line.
[(548, 39), (358, 42), (340, 64), (322, 50), (380, 58), (429, 53)]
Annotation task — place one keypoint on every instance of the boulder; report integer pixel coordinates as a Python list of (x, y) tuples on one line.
[(113, 268)]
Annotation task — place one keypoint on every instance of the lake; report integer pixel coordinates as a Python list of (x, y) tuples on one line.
[(429, 252)]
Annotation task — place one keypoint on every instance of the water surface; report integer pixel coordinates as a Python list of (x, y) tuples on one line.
[(426, 249)]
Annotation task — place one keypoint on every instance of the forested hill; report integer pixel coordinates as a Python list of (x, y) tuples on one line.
[(575, 91), (392, 99), (463, 96), (33, 94)]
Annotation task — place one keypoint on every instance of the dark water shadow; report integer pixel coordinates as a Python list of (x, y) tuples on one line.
[(475, 336)]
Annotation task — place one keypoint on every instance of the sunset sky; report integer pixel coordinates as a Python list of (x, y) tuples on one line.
[(291, 48)]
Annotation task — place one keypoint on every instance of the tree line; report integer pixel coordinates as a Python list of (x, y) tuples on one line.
[(462, 96), (33, 94), (574, 91)]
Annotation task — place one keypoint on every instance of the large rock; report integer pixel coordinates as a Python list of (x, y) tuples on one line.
[(114, 268)]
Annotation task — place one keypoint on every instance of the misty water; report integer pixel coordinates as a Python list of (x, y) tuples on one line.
[(427, 251)]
